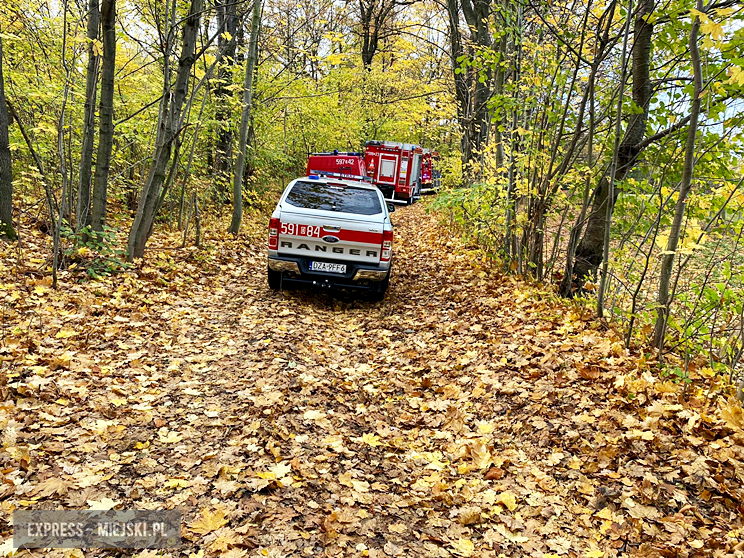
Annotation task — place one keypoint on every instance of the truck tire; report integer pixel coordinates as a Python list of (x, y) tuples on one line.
[(275, 279), (377, 293)]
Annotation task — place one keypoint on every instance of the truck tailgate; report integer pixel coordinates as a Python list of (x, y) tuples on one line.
[(330, 237)]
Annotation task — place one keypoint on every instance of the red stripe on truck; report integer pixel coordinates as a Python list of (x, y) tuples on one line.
[(355, 236)]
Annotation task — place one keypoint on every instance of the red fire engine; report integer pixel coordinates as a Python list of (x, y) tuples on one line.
[(395, 168)]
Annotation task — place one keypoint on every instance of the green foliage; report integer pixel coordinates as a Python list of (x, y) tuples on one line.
[(676, 375), (95, 252), (552, 171)]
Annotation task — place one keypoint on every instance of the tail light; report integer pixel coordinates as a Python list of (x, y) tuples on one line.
[(274, 225), (387, 246)]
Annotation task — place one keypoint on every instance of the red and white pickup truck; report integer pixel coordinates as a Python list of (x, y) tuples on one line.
[(331, 233)]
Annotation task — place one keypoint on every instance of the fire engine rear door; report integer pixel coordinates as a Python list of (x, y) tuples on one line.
[(388, 169)]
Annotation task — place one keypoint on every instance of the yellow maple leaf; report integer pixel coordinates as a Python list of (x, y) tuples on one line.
[(345, 479), (463, 547), (225, 539), (169, 437), (176, 483), (485, 427), (732, 414), (480, 454), (65, 333), (604, 513), (360, 486), (736, 75), (371, 439), (508, 499), (313, 414), (715, 30), (281, 469), (209, 521)]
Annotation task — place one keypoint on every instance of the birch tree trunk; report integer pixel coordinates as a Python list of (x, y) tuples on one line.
[(106, 115), (250, 64), (168, 124), (6, 169), (667, 261), (89, 118)]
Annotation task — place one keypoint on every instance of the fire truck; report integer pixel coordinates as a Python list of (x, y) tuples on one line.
[(395, 168), (338, 164)]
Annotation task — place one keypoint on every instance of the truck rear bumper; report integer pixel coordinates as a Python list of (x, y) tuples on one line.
[(357, 275)]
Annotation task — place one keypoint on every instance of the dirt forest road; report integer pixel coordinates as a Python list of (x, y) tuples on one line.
[(466, 415)]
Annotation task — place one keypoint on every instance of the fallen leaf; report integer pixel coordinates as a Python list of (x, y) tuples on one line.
[(508, 499), (463, 547), (103, 504), (209, 520)]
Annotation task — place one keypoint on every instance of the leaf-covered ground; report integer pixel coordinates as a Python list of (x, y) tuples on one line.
[(468, 414)]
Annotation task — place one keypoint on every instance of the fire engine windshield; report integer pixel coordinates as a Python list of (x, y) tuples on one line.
[(327, 197)]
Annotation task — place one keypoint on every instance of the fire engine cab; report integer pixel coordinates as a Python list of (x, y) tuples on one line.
[(338, 164), (395, 169)]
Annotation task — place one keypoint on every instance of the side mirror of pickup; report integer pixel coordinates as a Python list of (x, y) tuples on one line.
[(391, 207)]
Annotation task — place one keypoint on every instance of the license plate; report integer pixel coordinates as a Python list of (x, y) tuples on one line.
[(328, 267)]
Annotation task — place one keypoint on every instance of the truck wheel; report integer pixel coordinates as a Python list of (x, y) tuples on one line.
[(377, 294), (275, 279)]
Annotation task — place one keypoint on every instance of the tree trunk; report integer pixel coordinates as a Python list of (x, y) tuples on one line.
[(667, 261), (373, 15), (168, 122), (89, 118), (611, 180), (477, 14), (590, 251), (106, 115), (472, 94), (6, 170), (250, 63), (227, 15), (462, 89)]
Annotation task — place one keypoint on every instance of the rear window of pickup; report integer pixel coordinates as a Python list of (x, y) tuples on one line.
[(339, 198)]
